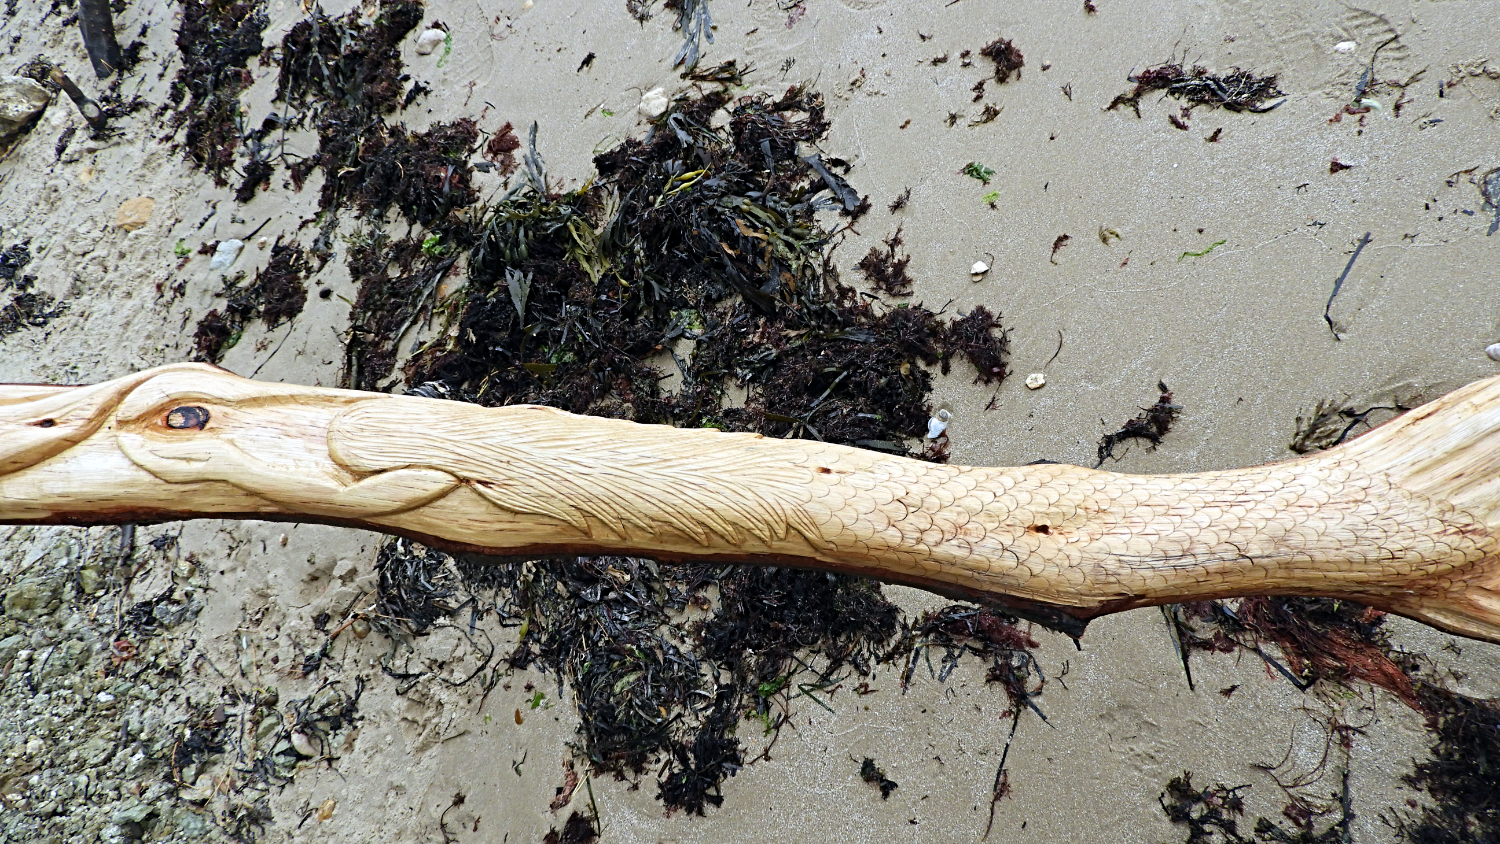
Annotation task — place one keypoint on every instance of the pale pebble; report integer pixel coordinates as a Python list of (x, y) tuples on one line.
[(226, 254), (430, 40)]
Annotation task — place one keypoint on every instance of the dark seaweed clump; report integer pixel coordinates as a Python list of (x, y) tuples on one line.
[(1151, 425), (1007, 58), (1238, 90), (26, 308), (1212, 816), (695, 252), (276, 296), (217, 39), (579, 829), (887, 269), (344, 76), (875, 775), (1463, 775)]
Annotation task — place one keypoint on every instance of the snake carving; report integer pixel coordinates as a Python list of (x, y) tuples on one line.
[(1406, 518)]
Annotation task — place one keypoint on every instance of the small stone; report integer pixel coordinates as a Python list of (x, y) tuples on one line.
[(90, 579), (360, 628), (303, 744), (261, 244), (1493, 350), (325, 811), (20, 100), (35, 746), (430, 40), (1345, 46), (1036, 381), (226, 254), (527, 6), (654, 103), (134, 213)]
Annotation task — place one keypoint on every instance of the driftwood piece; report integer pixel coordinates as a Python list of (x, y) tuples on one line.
[(96, 24), (1404, 519)]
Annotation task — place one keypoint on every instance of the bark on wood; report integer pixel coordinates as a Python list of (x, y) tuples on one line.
[(97, 25)]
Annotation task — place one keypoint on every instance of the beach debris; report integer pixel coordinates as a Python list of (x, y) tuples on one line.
[(1151, 425), (1199, 254), (27, 308), (980, 339), (1493, 351), (886, 269), (937, 425), (975, 170), (654, 103), (875, 775), (21, 99), (978, 270), (1058, 243), (580, 828), (1007, 58), (1338, 285), (1238, 90), (303, 744), (1331, 423), (97, 26), (225, 254), (696, 24), (134, 213), (1036, 381), (1106, 235), (1345, 46), (1336, 166), (430, 39), (900, 201), (217, 41), (87, 107), (275, 296)]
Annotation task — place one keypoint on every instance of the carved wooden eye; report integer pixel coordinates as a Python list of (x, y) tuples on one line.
[(188, 416)]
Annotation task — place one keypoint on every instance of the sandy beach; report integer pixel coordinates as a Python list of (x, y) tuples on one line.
[(1196, 249)]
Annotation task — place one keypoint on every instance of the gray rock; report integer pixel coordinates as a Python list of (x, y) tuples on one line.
[(10, 645), (225, 254), (34, 597), (20, 100), (132, 811)]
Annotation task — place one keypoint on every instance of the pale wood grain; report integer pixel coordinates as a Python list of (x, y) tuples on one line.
[(1404, 519)]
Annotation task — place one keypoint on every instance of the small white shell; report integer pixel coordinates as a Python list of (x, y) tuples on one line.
[(303, 744), (1036, 381), (979, 268), (938, 424), (430, 40), (1345, 46), (1493, 350), (654, 103)]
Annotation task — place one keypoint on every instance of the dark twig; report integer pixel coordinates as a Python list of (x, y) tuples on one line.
[(87, 107), (98, 28), (1340, 283), (1002, 785)]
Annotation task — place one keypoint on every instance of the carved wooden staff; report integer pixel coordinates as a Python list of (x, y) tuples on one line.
[(1405, 518)]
